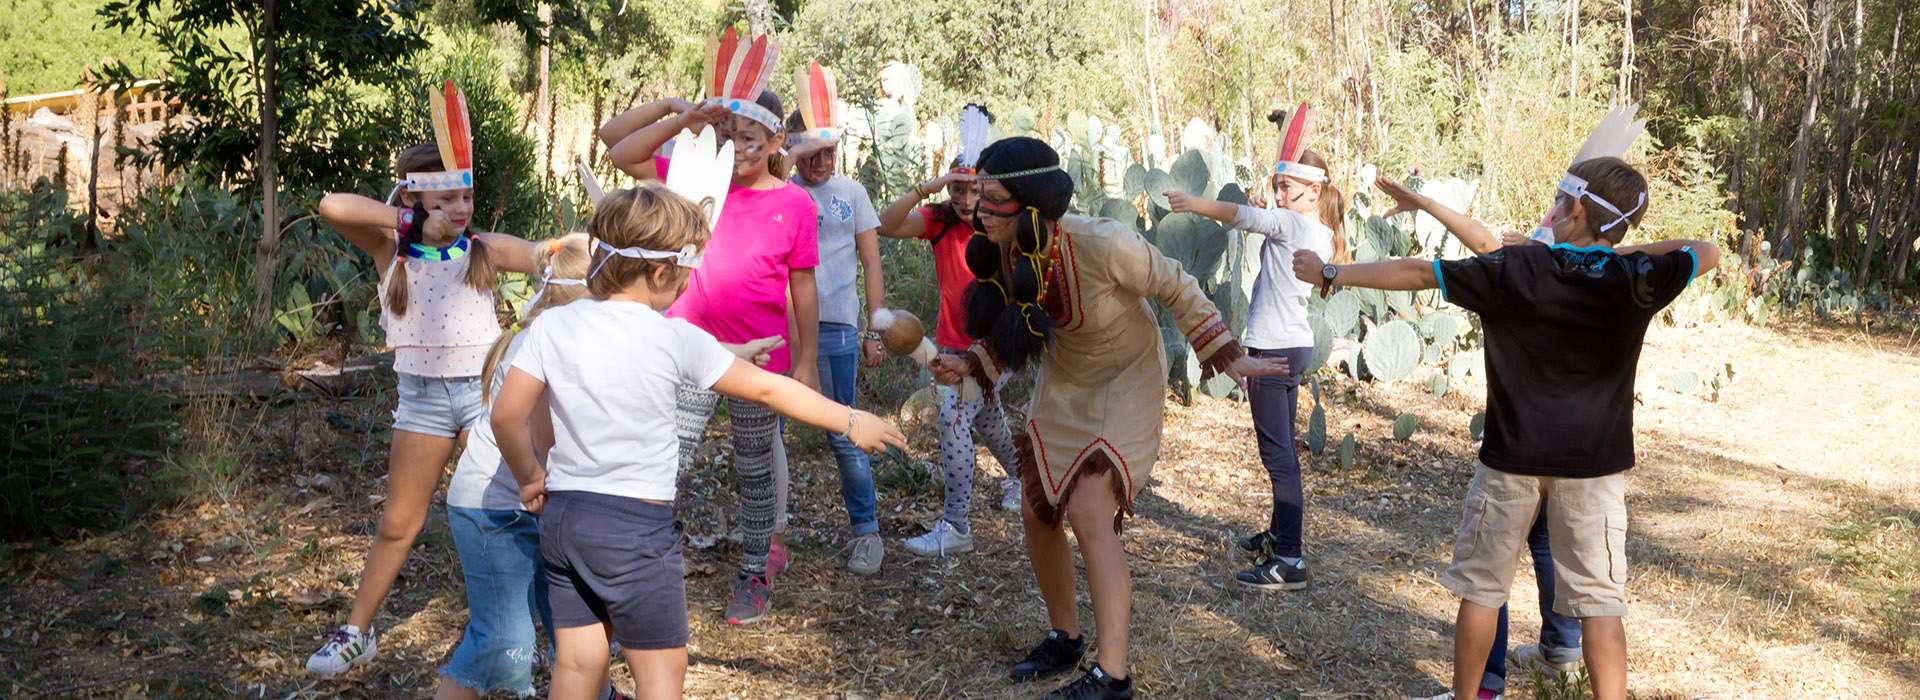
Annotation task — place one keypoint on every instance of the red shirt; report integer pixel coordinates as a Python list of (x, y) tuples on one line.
[(950, 270)]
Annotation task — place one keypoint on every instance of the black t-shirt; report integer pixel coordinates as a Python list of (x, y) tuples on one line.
[(1563, 330)]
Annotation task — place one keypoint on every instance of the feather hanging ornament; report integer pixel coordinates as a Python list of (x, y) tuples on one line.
[(453, 134), (1293, 142), (736, 72)]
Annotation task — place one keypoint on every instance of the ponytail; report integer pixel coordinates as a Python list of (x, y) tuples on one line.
[(397, 282), (480, 272), (1333, 207)]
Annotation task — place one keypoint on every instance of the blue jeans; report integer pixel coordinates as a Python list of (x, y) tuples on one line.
[(506, 589), (1274, 401), (839, 368), (1559, 634)]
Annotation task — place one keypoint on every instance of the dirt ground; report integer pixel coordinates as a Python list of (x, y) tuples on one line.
[(1766, 543)]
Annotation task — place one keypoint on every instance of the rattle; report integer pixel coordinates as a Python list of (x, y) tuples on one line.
[(903, 335)]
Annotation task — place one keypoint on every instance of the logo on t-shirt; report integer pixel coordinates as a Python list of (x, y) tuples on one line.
[(842, 209)]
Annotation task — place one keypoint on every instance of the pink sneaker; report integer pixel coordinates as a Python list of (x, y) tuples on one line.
[(778, 561)]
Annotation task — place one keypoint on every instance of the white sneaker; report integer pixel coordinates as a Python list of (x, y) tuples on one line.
[(1010, 494), (1535, 656), (868, 551), (941, 541), (345, 647)]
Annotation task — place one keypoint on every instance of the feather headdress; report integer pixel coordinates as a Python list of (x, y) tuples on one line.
[(589, 181), (976, 128), (820, 110), (453, 133), (736, 73), (1610, 139), (1293, 142), (702, 171)]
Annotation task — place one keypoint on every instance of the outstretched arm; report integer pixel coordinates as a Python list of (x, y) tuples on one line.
[(1706, 253), (1217, 210), (364, 222), (1405, 274), (1472, 232), (510, 253), (794, 400)]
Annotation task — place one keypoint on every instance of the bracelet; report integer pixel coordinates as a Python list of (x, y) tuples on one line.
[(850, 414), (919, 188), (870, 334)]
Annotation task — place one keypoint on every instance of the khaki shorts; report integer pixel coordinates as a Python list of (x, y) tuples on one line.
[(1586, 521)]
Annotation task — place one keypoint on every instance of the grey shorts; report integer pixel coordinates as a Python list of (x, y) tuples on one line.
[(441, 407), (615, 560)]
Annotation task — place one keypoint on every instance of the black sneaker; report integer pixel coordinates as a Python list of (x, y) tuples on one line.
[(1053, 655), (1260, 545), (1273, 575), (1096, 685)]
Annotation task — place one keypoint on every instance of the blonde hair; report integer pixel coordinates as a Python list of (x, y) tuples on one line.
[(648, 216), (564, 258), (425, 158), (1333, 207)]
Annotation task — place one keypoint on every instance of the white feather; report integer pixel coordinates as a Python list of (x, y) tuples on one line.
[(702, 171), (1613, 135), (974, 131)]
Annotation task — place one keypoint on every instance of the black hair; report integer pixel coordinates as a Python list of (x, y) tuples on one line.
[(1004, 310)]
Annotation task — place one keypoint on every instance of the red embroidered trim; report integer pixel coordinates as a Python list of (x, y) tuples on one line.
[(1209, 335), (1203, 322), (1040, 453)]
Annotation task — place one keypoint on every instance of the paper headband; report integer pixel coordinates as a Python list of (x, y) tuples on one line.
[(687, 256), (1576, 187), (1293, 143), (453, 133), (1609, 139), (735, 74)]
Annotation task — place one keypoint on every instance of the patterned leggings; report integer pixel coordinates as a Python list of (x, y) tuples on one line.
[(956, 448), (756, 431)]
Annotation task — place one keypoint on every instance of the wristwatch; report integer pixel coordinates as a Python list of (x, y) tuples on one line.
[(1327, 273)]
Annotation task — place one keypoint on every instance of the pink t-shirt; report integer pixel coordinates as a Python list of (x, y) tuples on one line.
[(739, 293)]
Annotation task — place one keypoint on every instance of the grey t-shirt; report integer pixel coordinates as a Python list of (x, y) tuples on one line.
[(845, 210)]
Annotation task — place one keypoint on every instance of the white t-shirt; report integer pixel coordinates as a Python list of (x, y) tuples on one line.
[(1277, 318), (482, 479), (845, 210), (613, 370)]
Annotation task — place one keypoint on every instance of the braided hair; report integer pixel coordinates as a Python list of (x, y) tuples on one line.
[(1003, 305)]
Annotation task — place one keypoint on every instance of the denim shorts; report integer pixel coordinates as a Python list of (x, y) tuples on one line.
[(615, 560), (506, 595), (441, 407)]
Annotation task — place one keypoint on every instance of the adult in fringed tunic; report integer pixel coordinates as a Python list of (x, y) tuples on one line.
[(1072, 293)]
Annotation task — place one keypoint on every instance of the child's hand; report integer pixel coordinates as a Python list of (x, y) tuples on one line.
[(1404, 200), (756, 351), (1180, 202), (872, 434), (533, 496), (439, 227), (875, 355), (1515, 238), (948, 369), (701, 115), (1307, 266), (679, 105)]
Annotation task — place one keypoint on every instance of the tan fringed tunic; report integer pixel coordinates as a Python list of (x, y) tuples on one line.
[(1099, 401)]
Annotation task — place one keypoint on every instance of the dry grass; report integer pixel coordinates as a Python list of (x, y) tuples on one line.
[(1766, 534)]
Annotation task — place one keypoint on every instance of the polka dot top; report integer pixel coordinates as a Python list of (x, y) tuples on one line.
[(448, 326)]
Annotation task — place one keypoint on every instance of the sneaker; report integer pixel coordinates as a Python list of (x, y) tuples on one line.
[(778, 560), (1274, 575), (1055, 654), (941, 541), (1260, 545), (1484, 694), (752, 597), (345, 646), (1010, 494), (868, 550), (1535, 656), (1095, 685)]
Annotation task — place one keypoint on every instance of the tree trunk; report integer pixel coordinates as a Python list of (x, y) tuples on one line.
[(1904, 240), (1626, 51), (266, 252), (543, 89), (1788, 236)]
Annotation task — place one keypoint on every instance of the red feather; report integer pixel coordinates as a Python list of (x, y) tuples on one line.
[(458, 128), (822, 97), (1296, 133), (750, 69), (729, 42)]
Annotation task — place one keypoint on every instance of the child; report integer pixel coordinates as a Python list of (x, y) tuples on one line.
[(436, 304), (1559, 647), (846, 233), (498, 543), (947, 227), (1310, 216), (1559, 435), (766, 248), (610, 369)]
